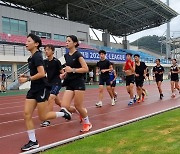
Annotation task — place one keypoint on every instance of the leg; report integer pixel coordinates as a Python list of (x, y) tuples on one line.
[(109, 89), (172, 86), (30, 105), (78, 103), (101, 92), (51, 101), (66, 100), (131, 90), (159, 86)]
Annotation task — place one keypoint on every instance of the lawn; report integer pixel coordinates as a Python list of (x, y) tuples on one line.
[(159, 134)]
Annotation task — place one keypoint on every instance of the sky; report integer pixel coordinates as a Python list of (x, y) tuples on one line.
[(160, 31)]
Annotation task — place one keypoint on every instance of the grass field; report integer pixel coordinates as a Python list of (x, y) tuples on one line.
[(159, 135)]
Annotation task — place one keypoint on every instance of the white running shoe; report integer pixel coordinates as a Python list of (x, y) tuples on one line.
[(99, 104), (113, 102)]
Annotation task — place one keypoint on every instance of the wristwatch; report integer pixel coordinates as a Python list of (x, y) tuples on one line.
[(28, 78), (74, 70)]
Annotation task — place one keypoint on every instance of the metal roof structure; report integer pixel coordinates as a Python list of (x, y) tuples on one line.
[(118, 17)]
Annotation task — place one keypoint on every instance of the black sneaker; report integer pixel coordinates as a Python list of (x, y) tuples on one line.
[(161, 96), (30, 145), (67, 114), (45, 123)]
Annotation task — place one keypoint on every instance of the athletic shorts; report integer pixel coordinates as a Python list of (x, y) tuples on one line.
[(159, 79), (129, 79), (75, 84), (139, 82), (103, 80), (175, 79), (55, 89), (41, 95), (113, 84)]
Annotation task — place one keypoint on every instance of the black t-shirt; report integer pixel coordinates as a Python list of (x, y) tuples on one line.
[(52, 69), (3, 77), (140, 69), (159, 70), (73, 62), (104, 65), (35, 61), (175, 69)]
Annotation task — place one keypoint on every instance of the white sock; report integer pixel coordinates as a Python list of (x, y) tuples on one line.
[(59, 114), (31, 135), (132, 100), (86, 120)]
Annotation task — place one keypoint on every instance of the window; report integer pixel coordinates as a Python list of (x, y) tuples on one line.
[(59, 37), (14, 26), (42, 34)]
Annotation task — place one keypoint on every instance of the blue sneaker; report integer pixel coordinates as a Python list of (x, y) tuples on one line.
[(134, 99), (130, 103)]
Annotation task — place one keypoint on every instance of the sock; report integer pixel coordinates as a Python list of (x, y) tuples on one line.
[(86, 120), (59, 114), (31, 135), (132, 100)]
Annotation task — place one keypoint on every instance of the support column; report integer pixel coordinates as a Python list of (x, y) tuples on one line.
[(67, 11), (106, 38), (125, 42)]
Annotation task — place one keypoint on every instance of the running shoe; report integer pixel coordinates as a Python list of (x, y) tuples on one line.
[(142, 98), (113, 102), (134, 99), (45, 123), (67, 114), (115, 97), (99, 104), (30, 145), (161, 96), (139, 100), (86, 127), (130, 103), (173, 95)]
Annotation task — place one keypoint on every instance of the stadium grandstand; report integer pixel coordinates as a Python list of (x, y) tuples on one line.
[(54, 20)]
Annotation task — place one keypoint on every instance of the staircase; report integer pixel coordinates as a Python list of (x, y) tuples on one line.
[(15, 84)]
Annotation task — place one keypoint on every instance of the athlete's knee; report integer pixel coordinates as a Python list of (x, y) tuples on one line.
[(27, 115)]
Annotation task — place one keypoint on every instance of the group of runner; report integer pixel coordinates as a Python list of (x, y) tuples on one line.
[(46, 75)]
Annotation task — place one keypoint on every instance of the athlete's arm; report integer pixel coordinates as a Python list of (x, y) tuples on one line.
[(40, 74), (84, 68), (115, 75)]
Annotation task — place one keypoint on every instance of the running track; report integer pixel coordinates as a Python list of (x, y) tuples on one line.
[(12, 129)]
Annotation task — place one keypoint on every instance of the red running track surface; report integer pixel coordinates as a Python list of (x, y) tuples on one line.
[(12, 128)]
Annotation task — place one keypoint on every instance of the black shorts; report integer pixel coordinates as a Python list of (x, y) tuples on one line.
[(55, 89), (175, 79), (139, 82), (129, 79), (75, 84), (41, 95), (113, 84), (103, 80), (159, 79)]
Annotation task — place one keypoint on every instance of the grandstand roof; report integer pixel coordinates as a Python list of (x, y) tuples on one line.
[(118, 17)]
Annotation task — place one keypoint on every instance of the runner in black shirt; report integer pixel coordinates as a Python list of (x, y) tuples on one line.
[(74, 80), (3, 80), (53, 69), (174, 70), (158, 70), (103, 66), (38, 93), (140, 73)]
